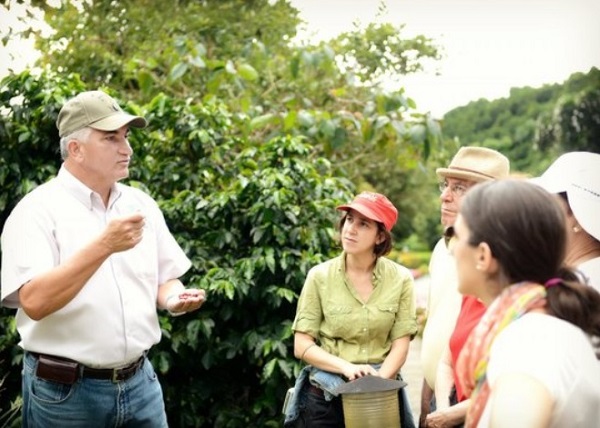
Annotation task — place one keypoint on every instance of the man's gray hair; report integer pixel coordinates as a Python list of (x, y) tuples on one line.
[(80, 135)]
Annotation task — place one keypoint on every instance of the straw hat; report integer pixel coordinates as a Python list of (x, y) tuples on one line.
[(476, 164)]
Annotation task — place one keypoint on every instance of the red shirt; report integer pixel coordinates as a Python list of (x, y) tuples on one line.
[(471, 311)]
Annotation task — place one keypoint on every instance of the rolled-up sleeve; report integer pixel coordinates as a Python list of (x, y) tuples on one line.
[(309, 312), (406, 317)]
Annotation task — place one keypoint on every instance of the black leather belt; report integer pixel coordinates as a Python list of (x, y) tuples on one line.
[(64, 370), (115, 375)]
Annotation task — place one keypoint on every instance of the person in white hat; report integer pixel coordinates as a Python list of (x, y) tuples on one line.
[(86, 261), (575, 177), (446, 308)]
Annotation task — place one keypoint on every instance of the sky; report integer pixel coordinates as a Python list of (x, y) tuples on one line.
[(489, 46)]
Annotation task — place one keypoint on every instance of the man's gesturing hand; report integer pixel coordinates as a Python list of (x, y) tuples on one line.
[(124, 233)]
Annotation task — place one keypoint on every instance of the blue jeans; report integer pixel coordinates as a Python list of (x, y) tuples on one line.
[(135, 402)]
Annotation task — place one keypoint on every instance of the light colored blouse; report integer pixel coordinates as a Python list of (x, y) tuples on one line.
[(331, 311), (558, 355)]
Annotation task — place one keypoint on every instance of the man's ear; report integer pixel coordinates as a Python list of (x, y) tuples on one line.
[(74, 149), (485, 259)]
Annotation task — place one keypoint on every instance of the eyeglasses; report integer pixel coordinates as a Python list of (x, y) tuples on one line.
[(457, 189)]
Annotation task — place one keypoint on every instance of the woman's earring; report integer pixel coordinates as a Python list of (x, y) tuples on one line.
[(576, 228)]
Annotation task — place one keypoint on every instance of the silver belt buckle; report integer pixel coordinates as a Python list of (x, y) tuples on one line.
[(114, 377)]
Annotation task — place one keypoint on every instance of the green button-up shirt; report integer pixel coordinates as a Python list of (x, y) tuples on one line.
[(331, 311)]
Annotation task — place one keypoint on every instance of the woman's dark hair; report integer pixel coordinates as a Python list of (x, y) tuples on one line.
[(381, 249), (524, 227), (565, 198)]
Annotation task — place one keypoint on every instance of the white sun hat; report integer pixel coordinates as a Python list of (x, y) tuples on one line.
[(584, 199), (578, 175)]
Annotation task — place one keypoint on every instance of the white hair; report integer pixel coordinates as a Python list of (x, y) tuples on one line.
[(80, 135)]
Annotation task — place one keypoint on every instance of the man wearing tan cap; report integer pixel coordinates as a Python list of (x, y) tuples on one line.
[(470, 165), (86, 261)]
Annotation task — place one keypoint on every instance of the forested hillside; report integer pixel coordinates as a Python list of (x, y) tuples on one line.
[(533, 125)]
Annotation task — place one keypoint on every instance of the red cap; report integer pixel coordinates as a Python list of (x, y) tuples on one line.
[(374, 206)]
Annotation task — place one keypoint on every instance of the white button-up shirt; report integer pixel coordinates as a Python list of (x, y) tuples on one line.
[(113, 319)]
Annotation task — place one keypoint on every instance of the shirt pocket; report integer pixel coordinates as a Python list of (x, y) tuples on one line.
[(339, 320), (386, 316)]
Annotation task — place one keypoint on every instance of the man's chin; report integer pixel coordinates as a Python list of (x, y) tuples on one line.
[(123, 175), (448, 220)]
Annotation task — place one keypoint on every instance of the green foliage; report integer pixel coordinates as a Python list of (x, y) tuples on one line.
[(256, 238), (578, 120), (183, 49), (27, 128), (238, 53), (380, 50), (10, 382)]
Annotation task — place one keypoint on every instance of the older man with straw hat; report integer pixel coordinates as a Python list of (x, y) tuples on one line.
[(470, 165)]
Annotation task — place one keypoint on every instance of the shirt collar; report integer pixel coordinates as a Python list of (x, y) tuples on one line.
[(377, 270), (81, 192)]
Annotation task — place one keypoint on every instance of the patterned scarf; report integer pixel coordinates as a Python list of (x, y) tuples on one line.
[(511, 304)]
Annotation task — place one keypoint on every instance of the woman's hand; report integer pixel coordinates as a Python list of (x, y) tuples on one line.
[(355, 371), (448, 417), (439, 419)]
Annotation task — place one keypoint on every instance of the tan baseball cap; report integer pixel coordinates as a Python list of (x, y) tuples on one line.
[(97, 110)]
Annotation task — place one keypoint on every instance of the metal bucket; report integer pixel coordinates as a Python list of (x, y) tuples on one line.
[(371, 402), (371, 410)]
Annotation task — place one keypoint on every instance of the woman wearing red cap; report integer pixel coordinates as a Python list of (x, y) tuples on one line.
[(355, 315)]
